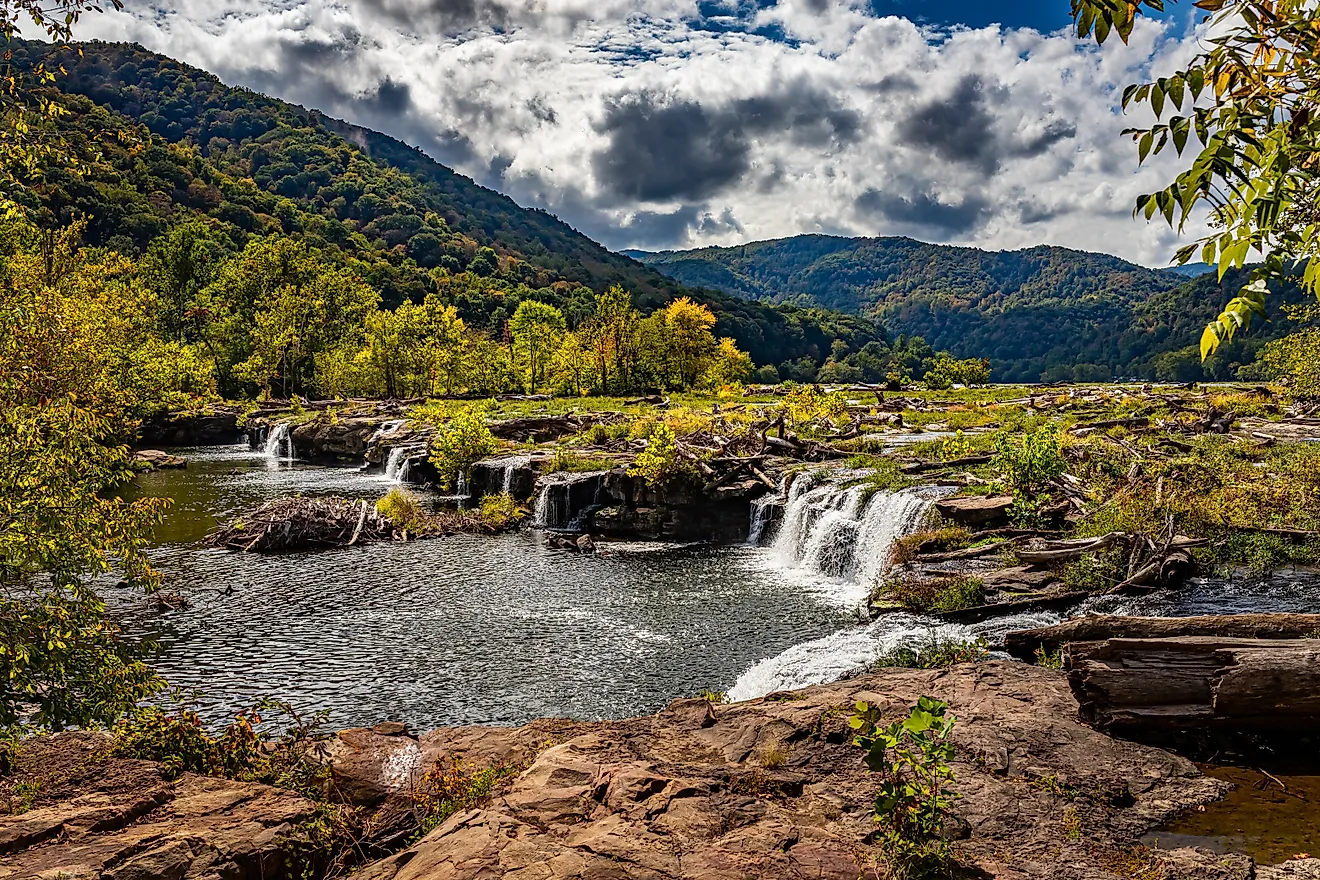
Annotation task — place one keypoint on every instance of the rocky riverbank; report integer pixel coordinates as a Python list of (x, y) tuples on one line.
[(762, 789)]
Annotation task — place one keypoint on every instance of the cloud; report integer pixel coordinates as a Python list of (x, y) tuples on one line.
[(673, 123)]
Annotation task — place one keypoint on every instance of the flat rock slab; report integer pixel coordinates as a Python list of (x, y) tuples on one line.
[(119, 819), (976, 510), (772, 788)]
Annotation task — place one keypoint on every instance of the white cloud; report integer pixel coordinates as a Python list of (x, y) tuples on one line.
[(645, 124)]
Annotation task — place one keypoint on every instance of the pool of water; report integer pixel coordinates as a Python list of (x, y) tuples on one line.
[(455, 630)]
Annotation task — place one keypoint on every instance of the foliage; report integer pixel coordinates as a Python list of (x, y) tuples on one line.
[(72, 373), (501, 510), (450, 786), (945, 372), (537, 330), (1295, 359), (182, 146), (460, 442), (660, 460), (935, 594), (1248, 97), (907, 547), (401, 508), (913, 804), (1049, 660), (567, 461), (1029, 460), (934, 653)]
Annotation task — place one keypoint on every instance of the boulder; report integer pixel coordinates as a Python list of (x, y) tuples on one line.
[(155, 459), (976, 510)]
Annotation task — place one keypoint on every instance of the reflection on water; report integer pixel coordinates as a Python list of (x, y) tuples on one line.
[(455, 630)]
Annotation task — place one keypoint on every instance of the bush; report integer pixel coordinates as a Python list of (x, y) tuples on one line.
[(461, 442), (660, 460), (938, 594), (1027, 463), (449, 786), (912, 758), (500, 511), (402, 509), (908, 547)]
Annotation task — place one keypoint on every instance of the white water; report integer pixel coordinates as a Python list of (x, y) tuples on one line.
[(279, 443), (856, 648), (508, 468), (396, 466), (829, 531), (554, 503)]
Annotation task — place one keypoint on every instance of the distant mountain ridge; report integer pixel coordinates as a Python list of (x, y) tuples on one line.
[(1043, 312)]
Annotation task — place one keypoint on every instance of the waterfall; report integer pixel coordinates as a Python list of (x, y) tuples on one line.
[(836, 531), (508, 468), (566, 500), (279, 443), (396, 466), (763, 513)]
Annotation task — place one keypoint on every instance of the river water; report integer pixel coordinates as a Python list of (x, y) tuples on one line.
[(481, 629)]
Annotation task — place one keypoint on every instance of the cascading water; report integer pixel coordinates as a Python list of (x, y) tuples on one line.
[(508, 468), (396, 466), (843, 535), (566, 500), (279, 443)]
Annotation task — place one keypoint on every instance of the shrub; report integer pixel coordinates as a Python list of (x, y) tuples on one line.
[(1028, 462), (500, 511), (402, 509), (460, 442), (938, 594), (450, 786), (908, 547), (1049, 660), (660, 460), (934, 653), (911, 757)]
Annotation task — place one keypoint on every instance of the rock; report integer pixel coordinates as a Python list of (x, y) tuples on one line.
[(367, 767), (987, 511), (1020, 579), (1297, 869), (191, 429), (687, 793), (119, 819), (390, 728), (585, 544), (155, 459)]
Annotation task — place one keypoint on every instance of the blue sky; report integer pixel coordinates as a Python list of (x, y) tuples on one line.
[(680, 123)]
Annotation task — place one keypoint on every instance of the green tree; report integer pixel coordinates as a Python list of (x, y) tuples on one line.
[(1248, 99), (536, 329)]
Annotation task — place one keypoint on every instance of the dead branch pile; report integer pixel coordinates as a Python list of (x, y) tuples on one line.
[(304, 523)]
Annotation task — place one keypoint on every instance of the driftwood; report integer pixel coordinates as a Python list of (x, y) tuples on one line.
[(1045, 602), (1197, 683), (304, 523), (921, 467), (1098, 628)]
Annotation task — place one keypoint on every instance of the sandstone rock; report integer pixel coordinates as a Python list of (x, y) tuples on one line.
[(118, 819), (976, 510), (155, 459), (585, 544), (687, 793)]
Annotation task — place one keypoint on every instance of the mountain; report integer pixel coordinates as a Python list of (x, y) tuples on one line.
[(1189, 270), (164, 143), (1040, 313)]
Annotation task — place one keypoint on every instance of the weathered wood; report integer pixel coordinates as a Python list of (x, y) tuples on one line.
[(1048, 602), (1098, 628), (1197, 682), (1067, 551)]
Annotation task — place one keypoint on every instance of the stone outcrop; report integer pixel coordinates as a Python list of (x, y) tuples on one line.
[(976, 510), (216, 428), (155, 460), (773, 788), (121, 819), (770, 788)]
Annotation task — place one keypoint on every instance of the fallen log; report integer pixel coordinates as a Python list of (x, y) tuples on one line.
[(1023, 644), (1048, 602), (1137, 422), (1197, 683), (1067, 551)]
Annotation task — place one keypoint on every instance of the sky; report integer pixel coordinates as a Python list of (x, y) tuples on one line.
[(663, 124)]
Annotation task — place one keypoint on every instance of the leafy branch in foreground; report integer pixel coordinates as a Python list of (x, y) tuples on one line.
[(1249, 99)]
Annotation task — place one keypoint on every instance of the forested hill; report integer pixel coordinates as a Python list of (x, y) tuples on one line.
[(166, 142), (1040, 313)]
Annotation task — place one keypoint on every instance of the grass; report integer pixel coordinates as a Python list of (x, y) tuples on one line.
[(925, 595), (451, 786), (933, 653), (773, 755), (500, 511), (940, 540), (568, 461)]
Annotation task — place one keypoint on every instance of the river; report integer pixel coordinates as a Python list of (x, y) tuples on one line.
[(480, 629)]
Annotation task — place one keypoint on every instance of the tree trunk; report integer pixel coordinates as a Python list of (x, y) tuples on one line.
[(1197, 683), (1098, 628)]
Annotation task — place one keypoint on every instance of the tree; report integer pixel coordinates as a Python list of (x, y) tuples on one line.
[(1249, 99), (536, 329), (688, 325), (176, 267), (67, 377)]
